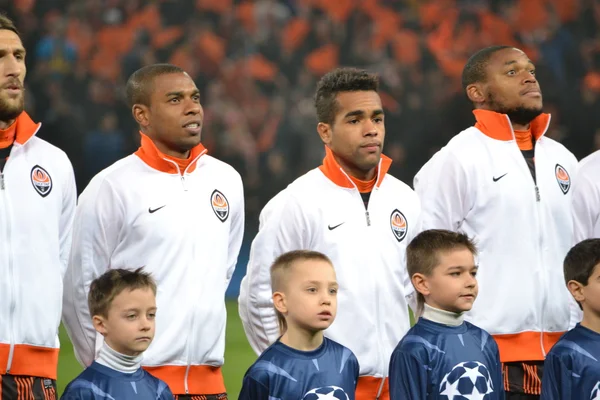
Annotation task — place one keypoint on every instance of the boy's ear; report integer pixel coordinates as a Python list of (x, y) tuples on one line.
[(576, 290), (279, 301), (100, 324), (420, 283)]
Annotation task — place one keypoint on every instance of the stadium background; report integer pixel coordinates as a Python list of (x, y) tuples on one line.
[(256, 63)]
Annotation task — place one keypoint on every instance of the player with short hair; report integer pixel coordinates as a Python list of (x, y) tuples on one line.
[(37, 206), (302, 363), (176, 211), (122, 304), (443, 355), (586, 199), (357, 214), (506, 184), (571, 369)]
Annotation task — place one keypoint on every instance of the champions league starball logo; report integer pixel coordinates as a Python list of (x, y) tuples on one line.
[(326, 393), (469, 380), (595, 395)]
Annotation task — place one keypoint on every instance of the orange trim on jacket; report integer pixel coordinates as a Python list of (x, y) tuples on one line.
[(30, 360), (524, 139), (525, 346), (201, 379), (332, 170), (367, 388), (498, 126), (149, 153)]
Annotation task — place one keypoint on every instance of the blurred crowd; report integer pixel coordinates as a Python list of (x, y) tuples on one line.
[(257, 62)]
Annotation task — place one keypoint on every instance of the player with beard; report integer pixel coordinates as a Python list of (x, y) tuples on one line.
[(37, 205), (507, 185)]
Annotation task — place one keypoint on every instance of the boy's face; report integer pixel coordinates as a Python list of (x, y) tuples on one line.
[(129, 326), (309, 300), (588, 295), (452, 285)]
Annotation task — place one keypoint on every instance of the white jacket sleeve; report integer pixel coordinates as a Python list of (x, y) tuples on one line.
[(283, 228), (98, 221), (409, 289), (443, 188), (236, 232), (66, 218), (586, 208)]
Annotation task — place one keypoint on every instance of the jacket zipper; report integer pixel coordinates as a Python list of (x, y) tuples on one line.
[(11, 277), (538, 200)]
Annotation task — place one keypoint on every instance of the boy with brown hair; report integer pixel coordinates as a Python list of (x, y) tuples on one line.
[(443, 355), (123, 308), (302, 363)]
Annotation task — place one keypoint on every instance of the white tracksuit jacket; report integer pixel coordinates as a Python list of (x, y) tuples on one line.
[(186, 230), (586, 199)]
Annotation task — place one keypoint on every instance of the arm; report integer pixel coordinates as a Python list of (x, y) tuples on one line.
[(66, 218), (253, 390), (236, 234), (98, 220), (408, 377), (165, 393), (283, 228), (496, 369), (556, 382), (586, 208), (445, 193)]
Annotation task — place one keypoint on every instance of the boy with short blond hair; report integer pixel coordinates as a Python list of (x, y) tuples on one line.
[(123, 308), (443, 355), (302, 363), (571, 368)]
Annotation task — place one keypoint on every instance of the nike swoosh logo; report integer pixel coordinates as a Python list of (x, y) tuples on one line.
[(498, 178), (156, 209), (333, 227)]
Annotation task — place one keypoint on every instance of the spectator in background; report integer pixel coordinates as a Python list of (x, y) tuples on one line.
[(103, 146), (55, 54)]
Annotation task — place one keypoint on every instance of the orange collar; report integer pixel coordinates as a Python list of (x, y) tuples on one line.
[(7, 136), (498, 126), (150, 154), (332, 170), (26, 128)]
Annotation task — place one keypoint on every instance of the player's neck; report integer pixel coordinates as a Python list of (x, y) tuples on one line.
[(301, 339), (6, 124), (442, 316), (520, 127), (119, 362), (591, 320)]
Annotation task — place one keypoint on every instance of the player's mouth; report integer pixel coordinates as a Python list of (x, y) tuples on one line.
[(468, 296), (193, 127), (371, 147), (325, 315), (144, 339), (531, 92), (13, 88)]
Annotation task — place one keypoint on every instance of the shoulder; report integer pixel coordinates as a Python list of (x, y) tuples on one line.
[(568, 344), (589, 165), (161, 386), (482, 336), (49, 153), (559, 150), (221, 167), (416, 343), (342, 352), (394, 184)]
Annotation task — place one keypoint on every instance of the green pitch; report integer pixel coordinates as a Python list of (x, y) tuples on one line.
[(238, 355)]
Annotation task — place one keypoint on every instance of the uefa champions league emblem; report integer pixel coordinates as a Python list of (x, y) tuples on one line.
[(326, 393), (468, 380), (595, 395)]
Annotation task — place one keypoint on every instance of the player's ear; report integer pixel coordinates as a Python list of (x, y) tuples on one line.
[(140, 113), (576, 290), (420, 283), (99, 324), (476, 93), (324, 132), (279, 302)]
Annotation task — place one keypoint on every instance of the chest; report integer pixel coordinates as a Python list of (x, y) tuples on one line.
[(314, 382)]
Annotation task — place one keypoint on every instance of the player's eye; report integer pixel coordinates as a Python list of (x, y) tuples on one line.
[(378, 120), (174, 100), (455, 274), (196, 98), (532, 72), (353, 121), (312, 290), (131, 316), (152, 315), (474, 273), (333, 291), (511, 72)]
